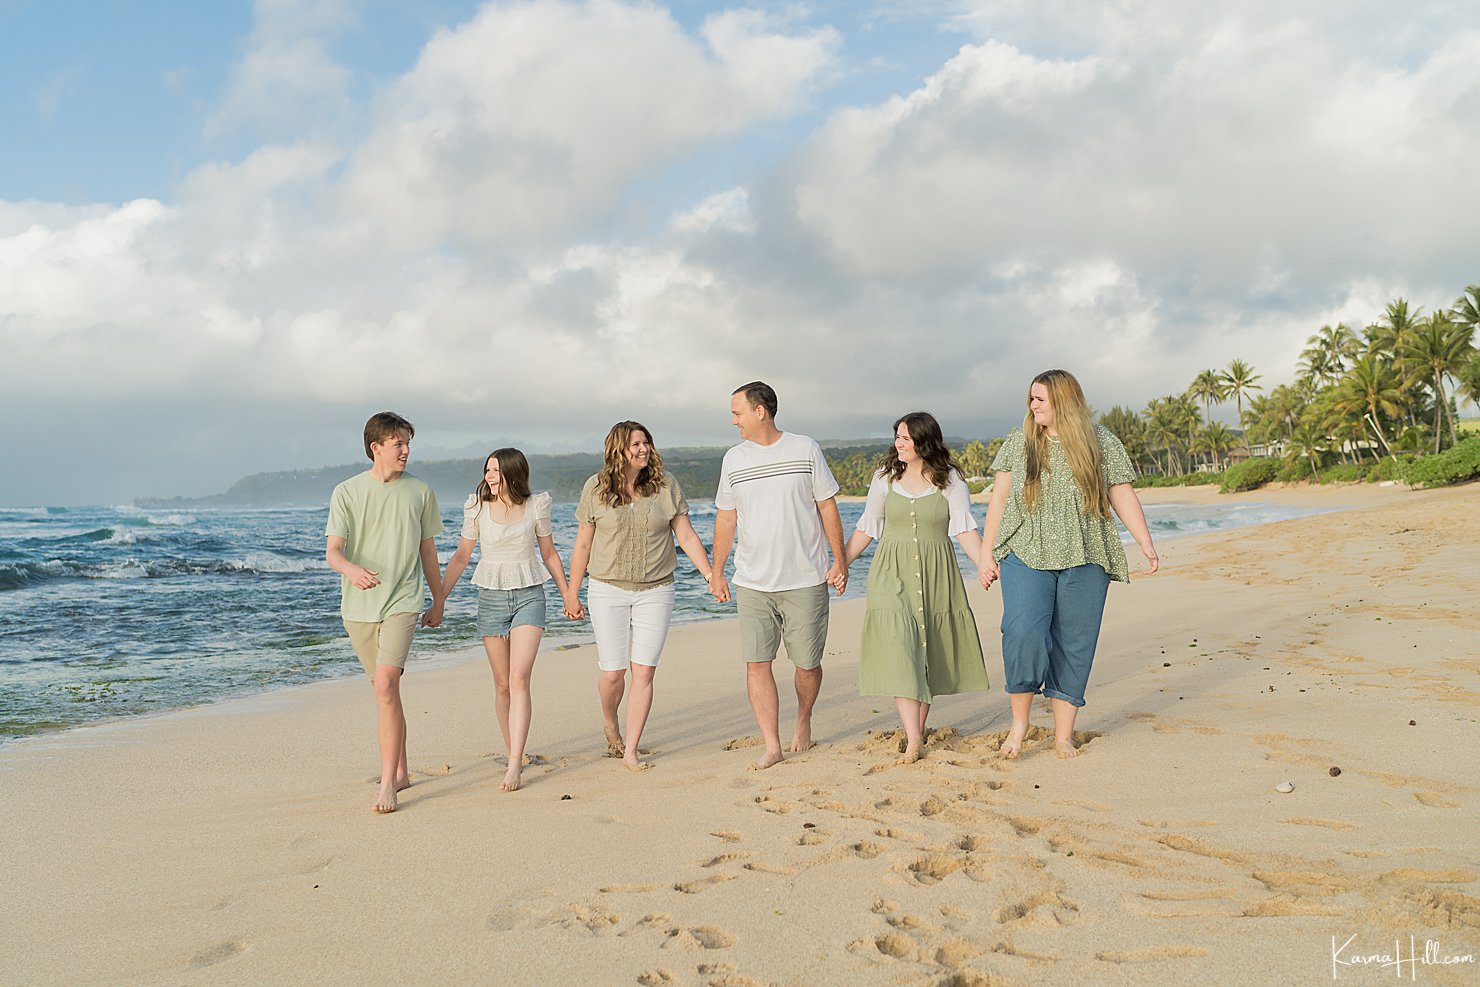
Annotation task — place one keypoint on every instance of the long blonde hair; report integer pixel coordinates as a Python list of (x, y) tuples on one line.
[(1076, 437), (611, 486)]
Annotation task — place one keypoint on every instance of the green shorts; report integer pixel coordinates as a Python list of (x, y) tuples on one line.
[(796, 616), (382, 642)]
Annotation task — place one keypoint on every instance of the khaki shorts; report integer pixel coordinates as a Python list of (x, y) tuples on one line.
[(796, 616), (382, 642)]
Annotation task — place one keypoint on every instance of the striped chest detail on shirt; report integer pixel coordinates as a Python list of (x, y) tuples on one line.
[(790, 467)]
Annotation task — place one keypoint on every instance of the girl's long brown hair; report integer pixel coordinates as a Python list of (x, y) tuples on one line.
[(1076, 437), (514, 469), (611, 486), (930, 446)]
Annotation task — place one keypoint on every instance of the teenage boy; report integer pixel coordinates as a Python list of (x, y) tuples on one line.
[(382, 526), (776, 488)]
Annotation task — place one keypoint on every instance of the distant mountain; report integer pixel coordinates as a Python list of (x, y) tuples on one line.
[(696, 469)]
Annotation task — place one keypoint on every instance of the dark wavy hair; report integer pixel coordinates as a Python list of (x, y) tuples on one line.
[(514, 469), (930, 446), (612, 485)]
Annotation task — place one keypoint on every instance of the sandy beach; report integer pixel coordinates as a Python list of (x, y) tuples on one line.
[(1340, 653)]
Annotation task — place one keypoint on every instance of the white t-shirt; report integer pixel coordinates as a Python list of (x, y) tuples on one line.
[(774, 490)]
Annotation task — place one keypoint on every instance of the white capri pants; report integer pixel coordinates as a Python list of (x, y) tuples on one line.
[(630, 625)]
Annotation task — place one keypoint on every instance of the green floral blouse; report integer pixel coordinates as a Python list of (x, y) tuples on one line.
[(1061, 533)]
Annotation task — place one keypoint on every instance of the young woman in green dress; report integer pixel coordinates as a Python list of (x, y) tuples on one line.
[(919, 634)]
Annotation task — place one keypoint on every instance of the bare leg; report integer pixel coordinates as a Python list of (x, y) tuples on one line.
[(1022, 706), (1063, 727), (498, 660), (639, 704), (808, 684), (611, 685), (924, 712), (761, 685), (524, 645), (391, 729), (909, 717)]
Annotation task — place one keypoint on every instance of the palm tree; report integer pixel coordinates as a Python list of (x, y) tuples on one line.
[(1441, 348), (1326, 352), (1216, 440), (1164, 429), (1466, 308), (1370, 388), (1239, 379), (1208, 388), (1307, 440), (1130, 430)]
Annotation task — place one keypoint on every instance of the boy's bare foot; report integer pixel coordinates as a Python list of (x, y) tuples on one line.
[(1066, 748), (511, 780), (1013, 745), (386, 800), (765, 761), (802, 740), (911, 755)]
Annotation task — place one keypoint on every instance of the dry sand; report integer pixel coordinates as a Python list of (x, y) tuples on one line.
[(235, 844)]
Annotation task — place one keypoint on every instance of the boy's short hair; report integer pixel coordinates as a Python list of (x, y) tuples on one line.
[(759, 394), (381, 427)]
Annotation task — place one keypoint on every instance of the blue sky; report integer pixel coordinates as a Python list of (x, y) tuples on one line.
[(232, 231)]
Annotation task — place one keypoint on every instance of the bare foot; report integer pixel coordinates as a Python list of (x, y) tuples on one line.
[(1066, 748), (765, 761), (401, 784), (511, 780), (614, 745), (1013, 745), (633, 764), (386, 800), (802, 740), (911, 754)]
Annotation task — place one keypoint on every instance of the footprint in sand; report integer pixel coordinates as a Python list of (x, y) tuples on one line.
[(812, 838), (933, 868), (651, 922), (771, 869), (1434, 800), (1047, 908), (703, 884), (1152, 955), (907, 835), (656, 977), (724, 858), (727, 836), (219, 953), (630, 888), (699, 937), (740, 743)]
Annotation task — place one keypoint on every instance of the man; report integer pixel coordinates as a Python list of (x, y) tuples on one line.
[(381, 531), (776, 490)]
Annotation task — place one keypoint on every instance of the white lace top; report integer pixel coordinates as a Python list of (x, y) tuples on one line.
[(508, 554)]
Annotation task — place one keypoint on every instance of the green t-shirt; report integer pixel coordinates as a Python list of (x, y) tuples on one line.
[(383, 526), (1060, 533)]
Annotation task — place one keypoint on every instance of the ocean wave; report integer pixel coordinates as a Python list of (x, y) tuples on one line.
[(268, 562), (172, 520)]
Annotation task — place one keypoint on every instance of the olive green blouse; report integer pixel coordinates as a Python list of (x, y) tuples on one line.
[(633, 547), (1061, 533)]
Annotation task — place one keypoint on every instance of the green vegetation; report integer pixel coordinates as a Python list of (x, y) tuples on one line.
[(1457, 465), (1249, 475)]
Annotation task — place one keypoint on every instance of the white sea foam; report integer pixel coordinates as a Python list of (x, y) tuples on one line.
[(270, 562)]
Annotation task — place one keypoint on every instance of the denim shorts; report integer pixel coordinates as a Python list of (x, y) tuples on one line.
[(499, 610)]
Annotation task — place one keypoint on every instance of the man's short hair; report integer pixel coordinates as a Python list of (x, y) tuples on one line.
[(381, 427), (759, 394)]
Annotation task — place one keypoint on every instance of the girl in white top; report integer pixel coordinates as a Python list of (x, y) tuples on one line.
[(511, 526)]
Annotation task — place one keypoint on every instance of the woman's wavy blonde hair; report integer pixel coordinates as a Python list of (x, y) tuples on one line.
[(1076, 436), (611, 486)]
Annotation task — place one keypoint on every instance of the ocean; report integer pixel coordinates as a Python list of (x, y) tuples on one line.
[(109, 612)]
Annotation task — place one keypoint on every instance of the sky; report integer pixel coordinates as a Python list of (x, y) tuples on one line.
[(230, 232)]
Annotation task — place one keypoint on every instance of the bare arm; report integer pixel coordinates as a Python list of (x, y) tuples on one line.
[(986, 564), (971, 544), (431, 570), (857, 543), (359, 577), (724, 540), (455, 567), (688, 540), (580, 557), (551, 557), (1127, 507), (832, 527)]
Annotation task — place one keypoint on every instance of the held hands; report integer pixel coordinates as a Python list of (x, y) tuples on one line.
[(573, 608), (988, 572), (433, 616), (719, 587), (837, 577)]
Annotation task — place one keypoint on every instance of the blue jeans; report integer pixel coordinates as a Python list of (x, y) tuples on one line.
[(1050, 626), (501, 610)]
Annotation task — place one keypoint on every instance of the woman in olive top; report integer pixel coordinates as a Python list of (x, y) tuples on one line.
[(630, 513), (1056, 550)]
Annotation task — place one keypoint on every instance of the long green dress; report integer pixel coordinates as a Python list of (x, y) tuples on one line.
[(919, 634)]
